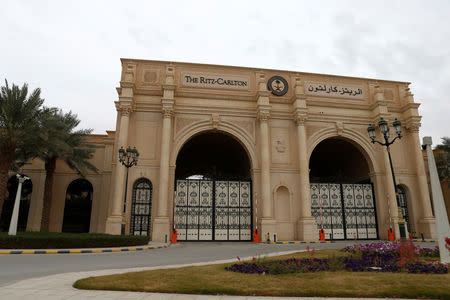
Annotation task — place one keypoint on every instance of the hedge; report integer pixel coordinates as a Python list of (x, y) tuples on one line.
[(54, 240)]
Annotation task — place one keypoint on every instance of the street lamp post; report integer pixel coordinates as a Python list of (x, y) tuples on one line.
[(128, 158), (384, 128)]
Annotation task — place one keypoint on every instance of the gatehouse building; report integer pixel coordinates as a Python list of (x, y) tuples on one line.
[(224, 151)]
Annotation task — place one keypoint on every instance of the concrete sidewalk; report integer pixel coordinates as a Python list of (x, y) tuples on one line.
[(59, 286)]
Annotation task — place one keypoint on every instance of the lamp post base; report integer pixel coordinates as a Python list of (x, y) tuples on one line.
[(307, 229), (161, 229), (268, 230), (114, 225), (427, 226)]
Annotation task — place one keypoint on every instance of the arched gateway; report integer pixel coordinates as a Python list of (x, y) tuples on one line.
[(213, 189), (342, 194)]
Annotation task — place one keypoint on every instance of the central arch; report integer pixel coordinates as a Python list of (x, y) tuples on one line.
[(213, 188)]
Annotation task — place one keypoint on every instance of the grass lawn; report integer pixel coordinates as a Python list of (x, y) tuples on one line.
[(214, 279), (57, 240)]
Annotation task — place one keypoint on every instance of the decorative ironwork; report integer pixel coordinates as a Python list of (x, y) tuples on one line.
[(403, 205), (344, 211), (141, 207), (213, 210)]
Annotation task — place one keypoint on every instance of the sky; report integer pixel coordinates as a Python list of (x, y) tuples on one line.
[(72, 49)]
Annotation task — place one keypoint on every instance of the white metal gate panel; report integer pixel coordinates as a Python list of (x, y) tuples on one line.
[(245, 212), (337, 222), (350, 212), (370, 212), (221, 211)]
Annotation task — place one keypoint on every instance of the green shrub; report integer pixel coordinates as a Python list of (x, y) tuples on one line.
[(53, 240)]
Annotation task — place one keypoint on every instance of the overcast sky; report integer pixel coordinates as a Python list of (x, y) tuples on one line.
[(72, 49)]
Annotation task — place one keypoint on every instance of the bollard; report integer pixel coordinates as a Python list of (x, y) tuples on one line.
[(268, 238), (321, 235), (165, 239), (423, 239), (174, 236), (390, 234), (275, 237), (256, 236)]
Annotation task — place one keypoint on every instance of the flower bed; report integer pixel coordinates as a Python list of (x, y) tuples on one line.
[(374, 257), (391, 249)]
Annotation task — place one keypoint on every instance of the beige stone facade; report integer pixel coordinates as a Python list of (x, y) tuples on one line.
[(162, 106)]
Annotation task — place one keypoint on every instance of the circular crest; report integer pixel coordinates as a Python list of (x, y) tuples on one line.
[(277, 85)]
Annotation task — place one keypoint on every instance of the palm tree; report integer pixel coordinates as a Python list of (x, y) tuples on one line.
[(62, 141), (18, 126)]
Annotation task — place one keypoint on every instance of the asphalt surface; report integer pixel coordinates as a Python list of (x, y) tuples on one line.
[(14, 268)]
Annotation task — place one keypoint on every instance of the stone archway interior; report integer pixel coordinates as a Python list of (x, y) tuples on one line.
[(213, 190), (342, 200), (213, 155), (77, 209), (8, 204), (338, 160)]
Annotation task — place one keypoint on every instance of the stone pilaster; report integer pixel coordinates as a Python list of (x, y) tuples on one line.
[(307, 228), (115, 219), (391, 197), (380, 110), (161, 224), (263, 113), (427, 224)]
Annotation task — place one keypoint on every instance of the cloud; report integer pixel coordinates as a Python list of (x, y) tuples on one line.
[(72, 49)]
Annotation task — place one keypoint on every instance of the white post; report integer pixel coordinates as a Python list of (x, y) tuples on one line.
[(440, 213), (15, 214)]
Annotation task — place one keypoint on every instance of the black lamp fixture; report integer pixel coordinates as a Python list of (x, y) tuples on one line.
[(384, 128), (128, 158)]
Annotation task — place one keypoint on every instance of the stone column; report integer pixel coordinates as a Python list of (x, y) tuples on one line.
[(307, 228), (427, 221), (389, 199), (268, 225), (161, 224), (114, 221), (164, 162), (265, 165), (391, 196)]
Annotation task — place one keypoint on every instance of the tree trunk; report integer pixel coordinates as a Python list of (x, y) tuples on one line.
[(7, 153), (48, 193)]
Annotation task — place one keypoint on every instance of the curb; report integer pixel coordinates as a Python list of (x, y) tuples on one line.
[(424, 241), (301, 242), (81, 250)]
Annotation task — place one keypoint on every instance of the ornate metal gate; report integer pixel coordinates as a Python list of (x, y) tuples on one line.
[(346, 211), (141, 207), (207, 210)]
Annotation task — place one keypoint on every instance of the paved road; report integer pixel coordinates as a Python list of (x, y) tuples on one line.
[(18, 267)]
